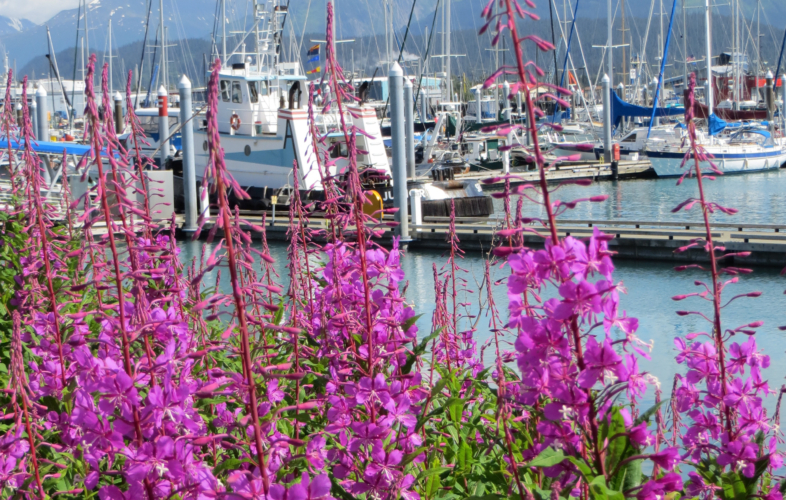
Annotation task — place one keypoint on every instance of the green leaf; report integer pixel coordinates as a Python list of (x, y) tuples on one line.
[(229, 463), (465, 456), (409, 457), (632, 475), (411, 321), (647, 415), (760, 468), (455, 409), (437, 390), (338, 491), (547, 458), (582, 466), (419, 350), (435, 470), (599, 490), (619, 441), (734, 487)]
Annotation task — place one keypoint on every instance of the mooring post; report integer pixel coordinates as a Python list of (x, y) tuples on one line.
[(163, 125), (398, 135), (416, 205), (42, 114), (606, 83), (478, 100), (189, 155), (409, 115), (506, 112), (120, 124), (769, 99), (33, 115)]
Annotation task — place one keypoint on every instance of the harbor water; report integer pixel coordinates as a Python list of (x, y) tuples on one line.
[(760, 198), (649, 285)]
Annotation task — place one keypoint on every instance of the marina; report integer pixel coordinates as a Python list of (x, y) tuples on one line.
[(392, 250)]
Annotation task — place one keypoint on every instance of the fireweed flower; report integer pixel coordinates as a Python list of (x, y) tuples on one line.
[(722, 390)]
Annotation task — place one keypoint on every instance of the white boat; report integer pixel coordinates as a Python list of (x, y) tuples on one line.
[(264, 127), (740, 154)]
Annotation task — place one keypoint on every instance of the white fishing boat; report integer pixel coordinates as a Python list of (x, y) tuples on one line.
[(264, 127), (740, 154)]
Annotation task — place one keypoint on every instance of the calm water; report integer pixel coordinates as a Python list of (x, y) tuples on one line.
[(760, 198), (650, 287)]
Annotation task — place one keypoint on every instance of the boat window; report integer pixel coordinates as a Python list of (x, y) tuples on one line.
[(225, 90), (630, 138), (237, 94), (263, 88), (339, 150), (252, 92)]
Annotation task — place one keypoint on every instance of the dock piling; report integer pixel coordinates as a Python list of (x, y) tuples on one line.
[(398, 135), (119, 122), (769, 99), (415, 200), (42, 121), (163, 125), (606, 82), (189, 163), (409, 118)]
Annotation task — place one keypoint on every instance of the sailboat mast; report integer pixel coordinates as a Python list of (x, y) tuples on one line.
[(624, 58), (111, 86), (164, 68), (447, 53), (609, 58), (684, 47), (708, 38), (224, 30)]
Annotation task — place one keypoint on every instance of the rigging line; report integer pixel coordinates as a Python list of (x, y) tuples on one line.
[(603, 57), (406, 33), (371, 20), (303, 33), (553, 43), (144, 49), (428, 50), (76, 58)]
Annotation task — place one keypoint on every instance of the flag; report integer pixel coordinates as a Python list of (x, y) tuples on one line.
[(313, 50), (314, 59), (318, 69)]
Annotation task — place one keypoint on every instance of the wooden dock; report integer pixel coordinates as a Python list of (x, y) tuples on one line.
[(565, 171)]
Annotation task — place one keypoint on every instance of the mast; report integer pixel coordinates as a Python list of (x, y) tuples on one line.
[(447, 54), (223, 27), (624, 58), (758, 47), (610, 59), (684, 47), (708, 38), (164, 66), (111, 87)]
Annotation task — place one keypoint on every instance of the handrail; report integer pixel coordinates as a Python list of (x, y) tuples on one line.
[(591, 223)]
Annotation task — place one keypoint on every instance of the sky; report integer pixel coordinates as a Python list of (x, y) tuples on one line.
[(38, 11)]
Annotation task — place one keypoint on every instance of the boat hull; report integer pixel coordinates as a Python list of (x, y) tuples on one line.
[(669, 164)]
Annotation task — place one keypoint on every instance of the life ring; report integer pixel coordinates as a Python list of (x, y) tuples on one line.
[(234, 122)]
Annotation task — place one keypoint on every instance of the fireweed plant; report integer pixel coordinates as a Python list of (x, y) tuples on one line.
[(726, 433), (128, 374), (579, 431)]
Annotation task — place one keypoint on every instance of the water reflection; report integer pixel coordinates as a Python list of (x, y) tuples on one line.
[(650, 288)]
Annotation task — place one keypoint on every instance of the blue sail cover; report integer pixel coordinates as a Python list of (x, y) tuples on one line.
[(621, 109), (716, 124)]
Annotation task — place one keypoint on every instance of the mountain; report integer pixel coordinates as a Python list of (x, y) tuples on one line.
[(363, 19), (10, 25)]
